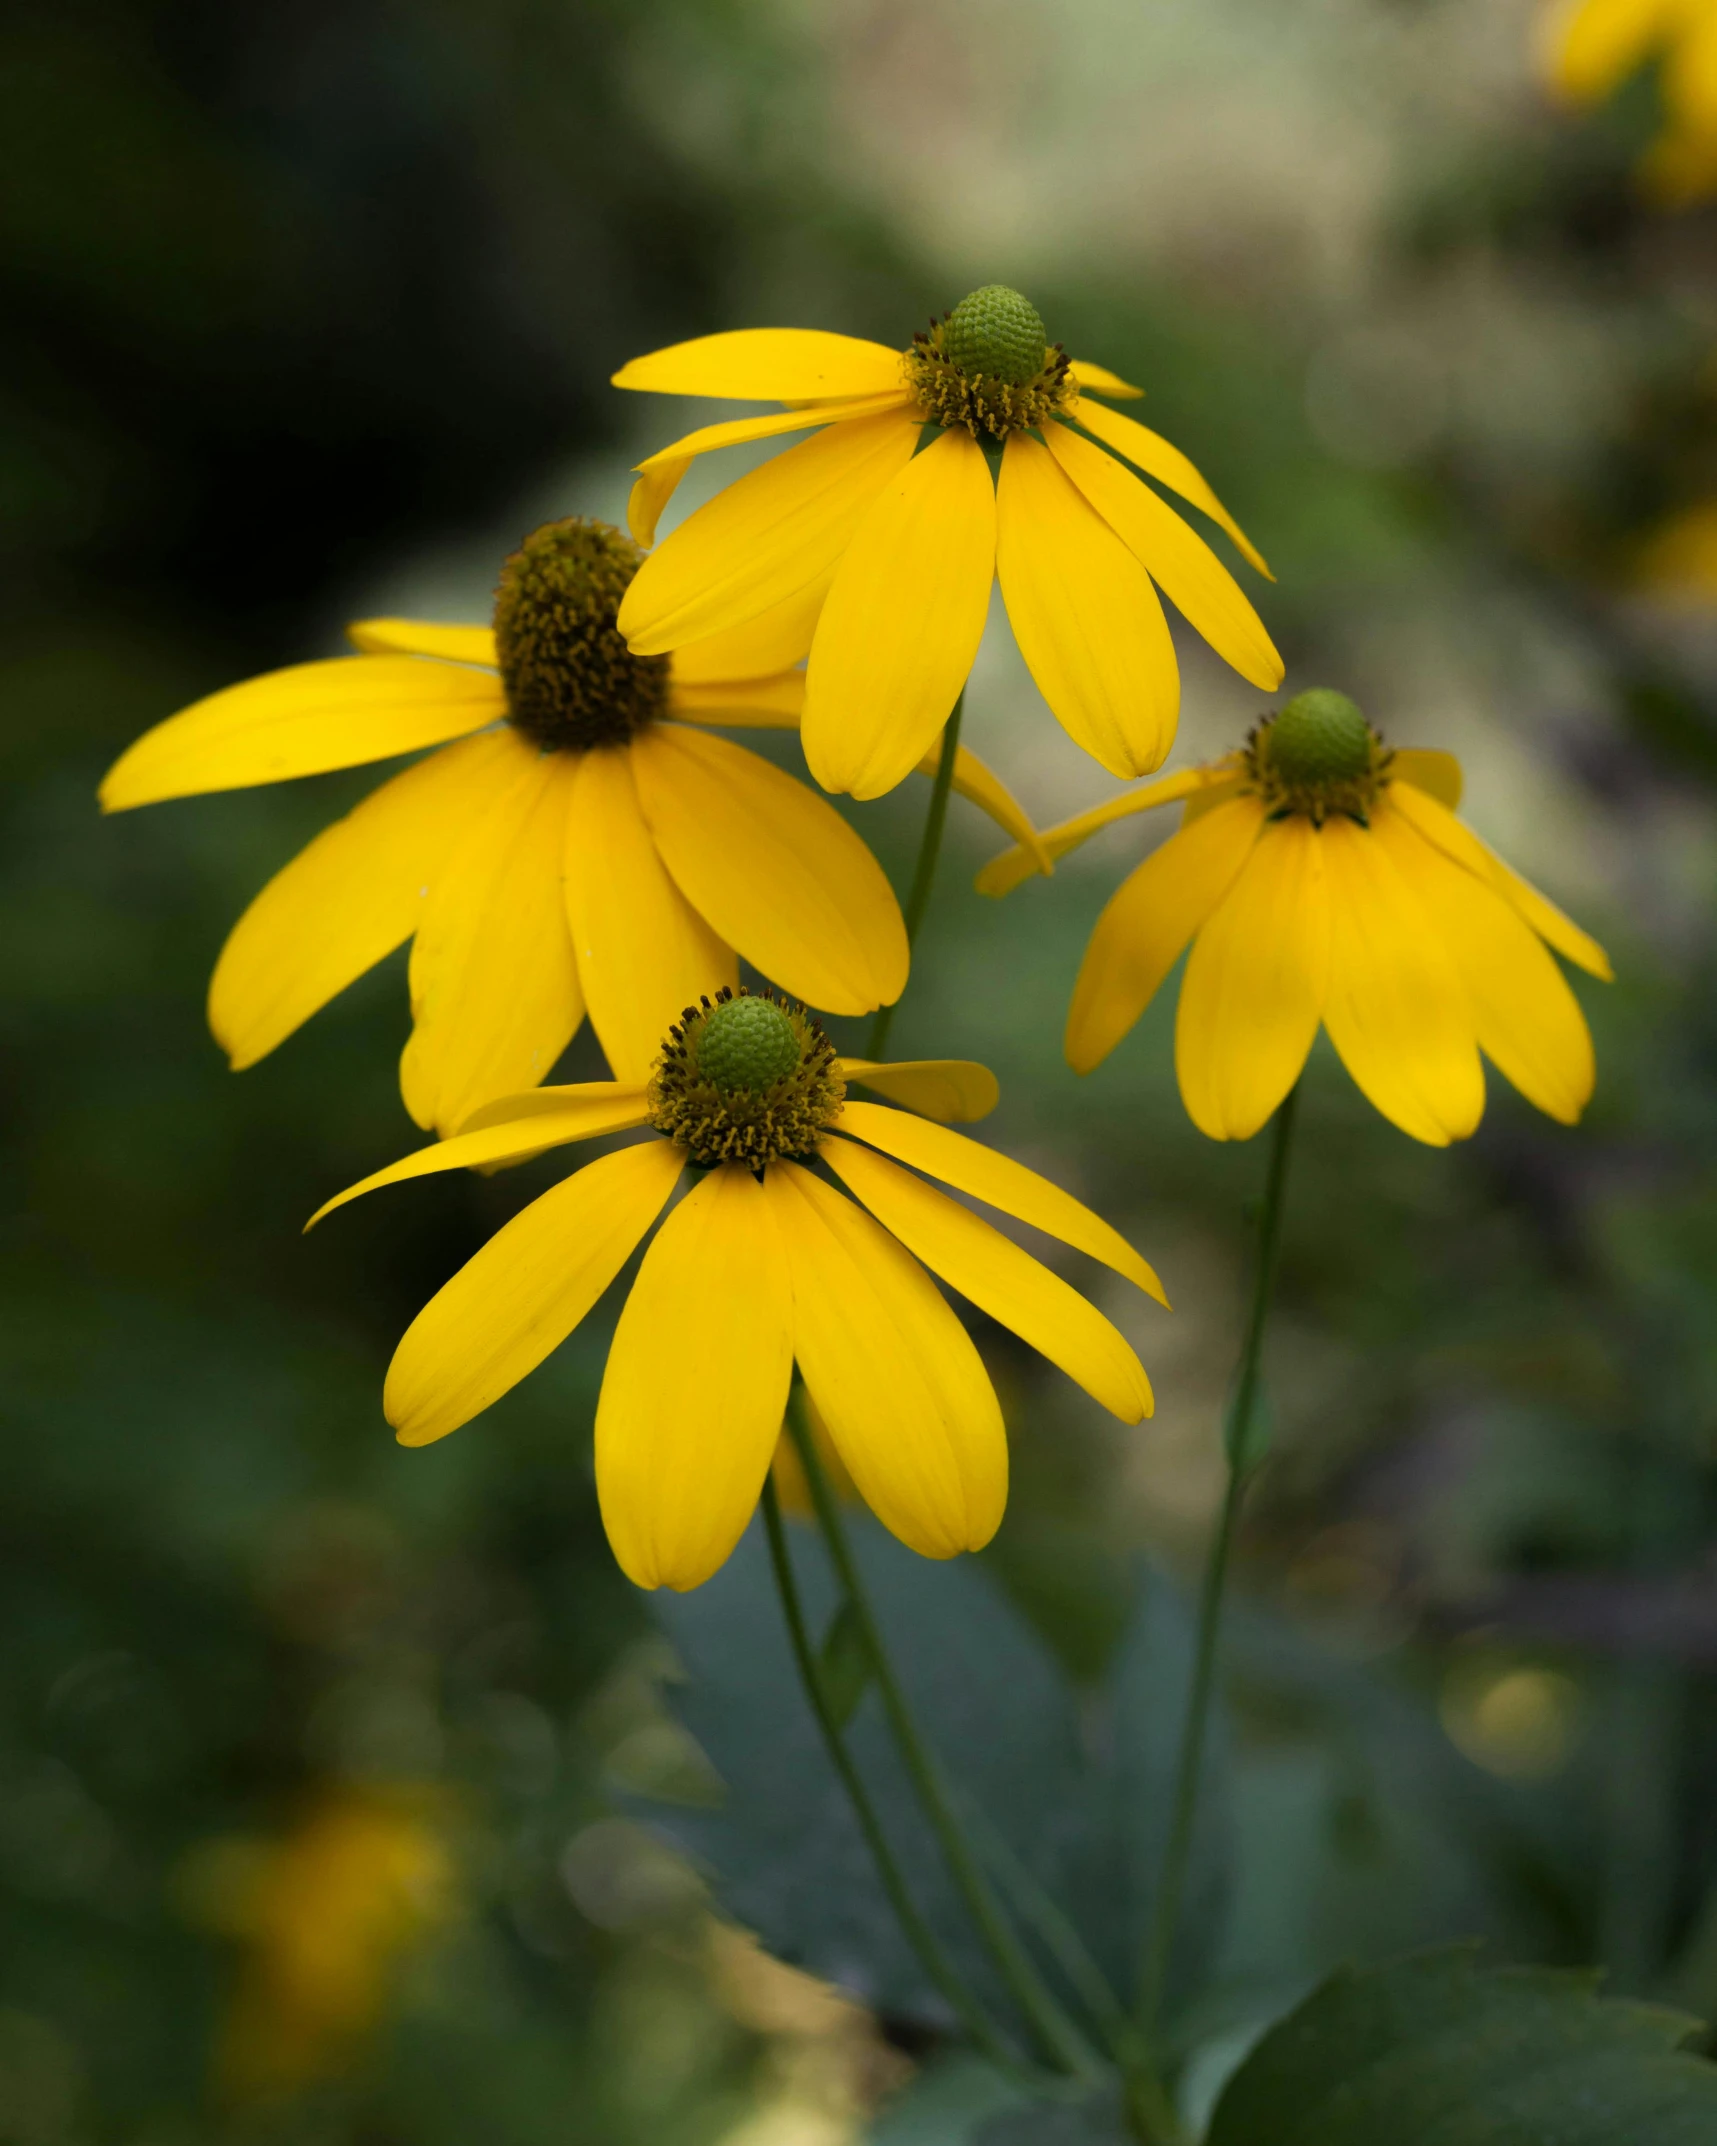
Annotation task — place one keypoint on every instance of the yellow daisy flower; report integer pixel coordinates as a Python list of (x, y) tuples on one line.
[(765, 1263), (585, 846), (1591, 47), (886, 554), (1322, 878)]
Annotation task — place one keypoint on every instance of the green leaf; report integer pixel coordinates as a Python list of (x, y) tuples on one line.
[(1439, 2051), (844, 1667), (1075, 1783)]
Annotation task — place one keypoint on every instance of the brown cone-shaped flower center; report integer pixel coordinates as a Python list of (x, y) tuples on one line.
[(571, 681)]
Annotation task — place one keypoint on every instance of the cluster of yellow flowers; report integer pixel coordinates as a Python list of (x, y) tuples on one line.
[(583, 840)]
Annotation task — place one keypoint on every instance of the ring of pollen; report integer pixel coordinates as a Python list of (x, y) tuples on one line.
[(746, 1078), (1317, 756), (571, 682)]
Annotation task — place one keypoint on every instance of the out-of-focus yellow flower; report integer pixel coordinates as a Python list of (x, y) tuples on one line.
[(886, 548), (791, 1484), (1592, 46), (1322, 879), (585, 846), (1677, 563), (763, 1263), (324, 1916)]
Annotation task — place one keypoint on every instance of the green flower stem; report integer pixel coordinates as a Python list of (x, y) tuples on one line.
[(924, 873), (919, 1934), (1243, 1455), (1060, 2039)]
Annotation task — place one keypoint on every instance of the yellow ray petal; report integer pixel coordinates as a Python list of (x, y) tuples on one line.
[(1016, 1290), (600, 1107), (1590, 47), (303, 721), (548, 1103), (644, 954), (894, 1373), (494, 989), (953, 1091), (696, 1384), (1219, 792), (772, 642), (659, 476), (1397, 1010), (1002, 874), (744, 703), (1098, 380), (352, 896), (1182, 565), (424, 637), (767, 365), (524, 1292), (981, 786), (1254, 985), (772, 538), (902, 620), (1147, 922), (1085, 615), (1160, 459), (1458, 841), (1001, 1182), (1437, 774), (1529, 1023), (774, 870)]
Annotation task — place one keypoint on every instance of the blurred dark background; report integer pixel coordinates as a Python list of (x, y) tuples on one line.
[(310, 1747)]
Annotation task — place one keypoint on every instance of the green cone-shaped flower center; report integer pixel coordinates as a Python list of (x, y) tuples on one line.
[(747, 1043), (998, 333), (1320, 737), (571, 681), (1317, 756), (745, 1078)]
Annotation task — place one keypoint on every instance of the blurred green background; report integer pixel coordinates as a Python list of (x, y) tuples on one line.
[(309, 313)]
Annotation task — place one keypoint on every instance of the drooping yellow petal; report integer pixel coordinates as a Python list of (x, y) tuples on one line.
[(524, 1292), (424, 637), (1016, 1290), (644, 954), (953, 1091), (771, 538), (774, 870), (659, 476), (767, 365), (1437, 774), (1085, 615), (1213, 794), (1182, 565), (352, 896), (494, 990), (774, 641), (902, 620), (696, 1384), (1458, 841), (1002, 874), (1397, 1010), (1254, 985), (1160, 459), (581, 1113), (980, 785), (1529, 1023), (1147, 922), (1001, 1182), (1590, 47), (303, 721), (894, 1373), (1098, 380)]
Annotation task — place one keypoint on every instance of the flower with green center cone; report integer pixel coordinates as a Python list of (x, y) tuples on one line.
[(747, 1043), (1318, 755), (998, 332), (745, 1078)]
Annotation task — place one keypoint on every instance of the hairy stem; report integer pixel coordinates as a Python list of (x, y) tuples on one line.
[(1059, 2038), (924, 872), (1243, 1453)]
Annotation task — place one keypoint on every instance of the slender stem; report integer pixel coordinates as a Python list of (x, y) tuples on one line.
[(1056, 2032), (929, 849), (1242, 1457), (919, 1934)]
